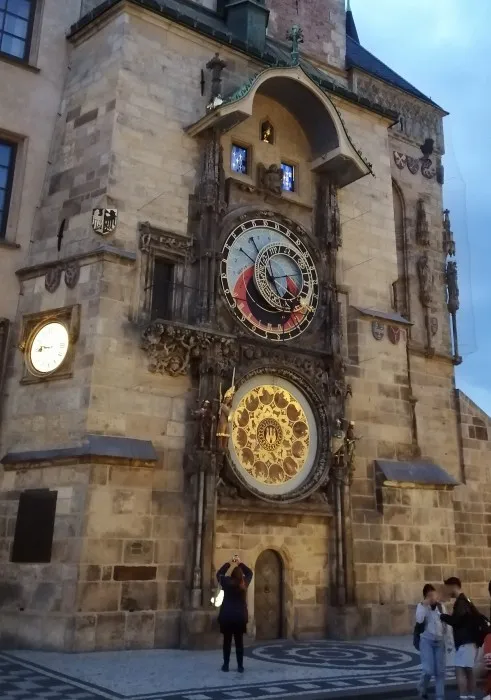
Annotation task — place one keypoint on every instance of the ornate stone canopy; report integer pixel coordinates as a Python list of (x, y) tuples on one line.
[(333, 151)]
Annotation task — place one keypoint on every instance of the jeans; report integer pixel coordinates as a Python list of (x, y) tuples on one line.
[(432, 651), (239, 647)]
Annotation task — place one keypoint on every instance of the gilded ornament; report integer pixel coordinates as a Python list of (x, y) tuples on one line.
[(271, 435)]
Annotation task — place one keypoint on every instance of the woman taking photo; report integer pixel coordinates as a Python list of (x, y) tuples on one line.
[(234, 578)]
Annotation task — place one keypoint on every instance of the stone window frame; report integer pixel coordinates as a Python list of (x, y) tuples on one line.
[(9, 235), (32, 39), (7, 190), (174, 248)]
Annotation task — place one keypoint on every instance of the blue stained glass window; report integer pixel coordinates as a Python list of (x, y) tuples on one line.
[(288, 177), (16, 18), (7, 161), (238, 159)]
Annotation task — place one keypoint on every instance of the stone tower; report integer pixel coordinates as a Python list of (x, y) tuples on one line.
[(233, 337)]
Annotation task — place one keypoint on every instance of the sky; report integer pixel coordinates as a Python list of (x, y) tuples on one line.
[(443, 48)]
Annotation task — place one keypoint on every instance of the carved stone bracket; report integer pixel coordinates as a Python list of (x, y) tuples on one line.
[(172, 348)]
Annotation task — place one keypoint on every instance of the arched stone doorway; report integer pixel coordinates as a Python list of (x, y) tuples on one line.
[(268, 596)]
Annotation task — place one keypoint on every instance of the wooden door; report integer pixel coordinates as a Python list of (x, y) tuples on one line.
[(268, 596)]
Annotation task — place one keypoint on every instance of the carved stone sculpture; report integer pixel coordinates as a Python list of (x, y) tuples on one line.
[(52, 279), (422, 231), (270, 179), (204, 433), (448, 240), (453, 302), (171, 348), (224, 419), (425, 276)]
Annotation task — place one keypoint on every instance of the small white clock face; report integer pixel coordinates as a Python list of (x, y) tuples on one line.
[(49, 348)]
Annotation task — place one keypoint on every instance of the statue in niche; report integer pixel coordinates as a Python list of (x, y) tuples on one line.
[(267, 132), (224, 419), (205, 419), (425, 281), (422, 230), (270, 179)]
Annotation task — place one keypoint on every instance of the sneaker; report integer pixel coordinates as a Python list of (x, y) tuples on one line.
[(225, 668)]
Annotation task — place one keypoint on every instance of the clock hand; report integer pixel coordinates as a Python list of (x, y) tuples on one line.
[(251, 240), (243, 251)]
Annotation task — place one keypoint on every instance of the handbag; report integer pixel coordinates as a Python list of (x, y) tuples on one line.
[(419, 628), (217, 599)]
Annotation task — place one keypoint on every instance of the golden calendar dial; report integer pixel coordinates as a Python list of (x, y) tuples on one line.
[(273, 439)]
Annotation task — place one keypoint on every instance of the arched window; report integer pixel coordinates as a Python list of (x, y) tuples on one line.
[(267, 132)]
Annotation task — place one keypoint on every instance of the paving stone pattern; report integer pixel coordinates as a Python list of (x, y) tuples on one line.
[(342, 668)]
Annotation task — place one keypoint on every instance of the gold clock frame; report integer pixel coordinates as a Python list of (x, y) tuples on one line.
[(69, 316)]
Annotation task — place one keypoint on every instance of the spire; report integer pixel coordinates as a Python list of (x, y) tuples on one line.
[(350, 24)]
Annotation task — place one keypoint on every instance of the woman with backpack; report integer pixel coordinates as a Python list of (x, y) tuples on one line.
[(234, 578), (434, 638)]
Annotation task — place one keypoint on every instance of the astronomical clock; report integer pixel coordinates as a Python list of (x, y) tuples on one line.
[(278, 433), (269, 280)]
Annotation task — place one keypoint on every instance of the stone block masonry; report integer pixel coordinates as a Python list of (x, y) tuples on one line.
[(116, 578)]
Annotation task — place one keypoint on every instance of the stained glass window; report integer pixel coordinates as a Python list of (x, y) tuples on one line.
[(7, 161), (288, 177), (15, 27), (238, 159)]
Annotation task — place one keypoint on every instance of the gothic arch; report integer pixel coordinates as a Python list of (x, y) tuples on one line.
[(333, 151)]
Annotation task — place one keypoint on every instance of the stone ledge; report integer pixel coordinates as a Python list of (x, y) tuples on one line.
[(413, 475), (93, 448), (104, 252), (383, 315)]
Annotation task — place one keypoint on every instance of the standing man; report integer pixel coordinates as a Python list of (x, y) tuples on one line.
[(462, 622), (433, 642)]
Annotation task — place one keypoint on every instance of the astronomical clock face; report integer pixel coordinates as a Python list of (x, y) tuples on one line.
[(273, 439), (269, 279)]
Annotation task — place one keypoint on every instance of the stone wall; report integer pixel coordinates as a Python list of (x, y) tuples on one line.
[(29, 105), (323, 24), (473, 503), (302, 541), (37, 600), (116, 578)]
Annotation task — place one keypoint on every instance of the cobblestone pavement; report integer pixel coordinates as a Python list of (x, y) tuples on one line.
[(281, 670)]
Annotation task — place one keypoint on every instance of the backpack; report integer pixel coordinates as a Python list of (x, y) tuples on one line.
[(481, 626), (419, 628)]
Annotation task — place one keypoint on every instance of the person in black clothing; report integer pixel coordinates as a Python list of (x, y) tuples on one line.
[(234, 578), (462, 622)]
